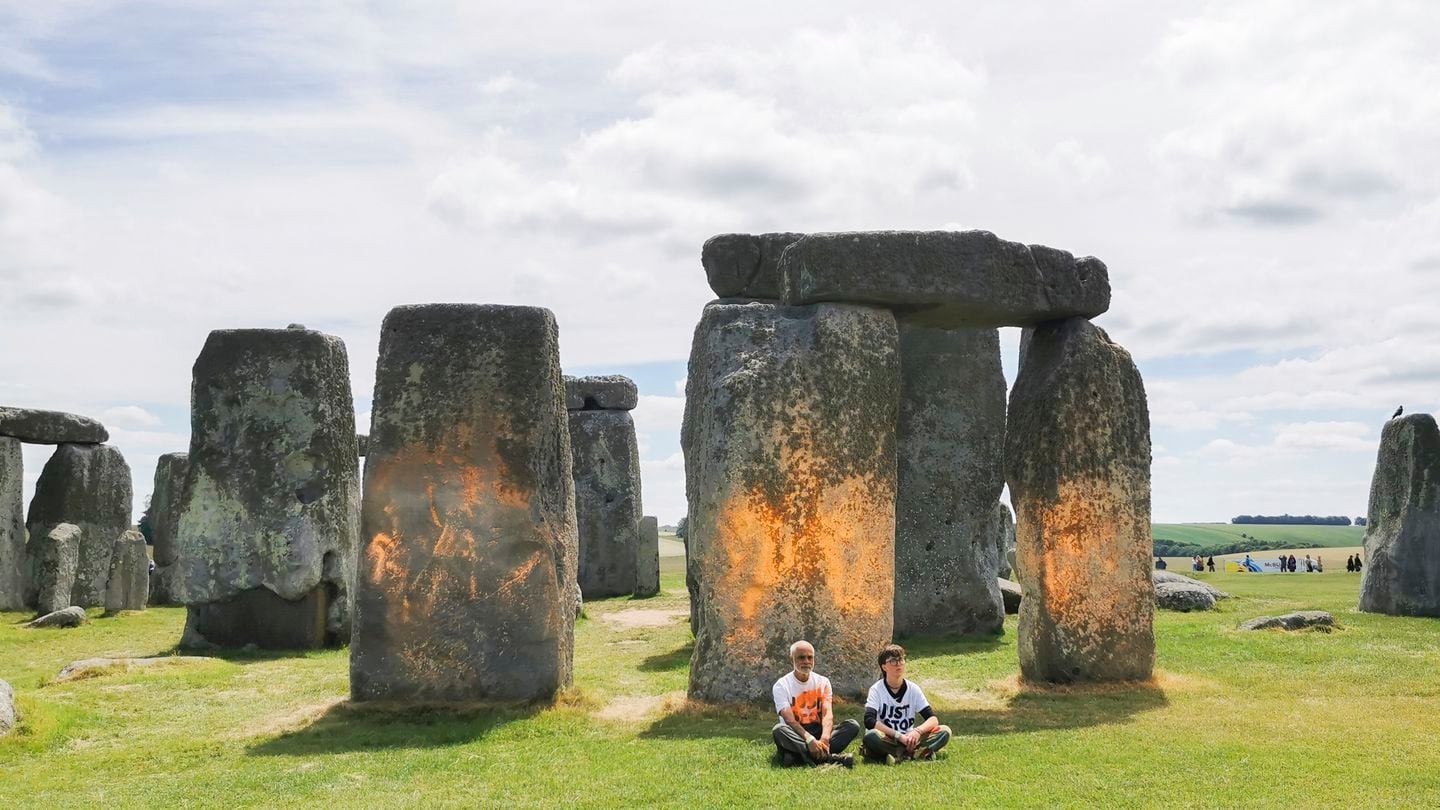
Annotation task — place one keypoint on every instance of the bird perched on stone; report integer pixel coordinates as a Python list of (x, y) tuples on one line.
[(1398, 411)]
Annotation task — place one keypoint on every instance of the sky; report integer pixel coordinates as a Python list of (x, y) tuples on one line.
[(1260, 177)]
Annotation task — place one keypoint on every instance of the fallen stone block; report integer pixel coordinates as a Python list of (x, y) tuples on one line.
[(1011, 593), (92, 667), (1158, 577), (72, 616), (1183, 597), (1298, 620)]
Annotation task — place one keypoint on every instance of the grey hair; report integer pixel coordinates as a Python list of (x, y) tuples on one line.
[(796, 646)]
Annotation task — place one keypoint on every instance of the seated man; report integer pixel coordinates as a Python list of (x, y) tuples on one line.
[(806, 731), (891, 711)]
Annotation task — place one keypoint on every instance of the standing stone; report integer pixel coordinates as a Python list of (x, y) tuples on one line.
[(87, 485), (53, 559), (952, 279), (467, 575), (789, 440), (51, 427), (950, 438), (1002, 531), (9, 715), (271, 496), (1078, 461), (129, 581), (647, 558), (1402, 540), (170, 473), (12, 526), (606, 464)]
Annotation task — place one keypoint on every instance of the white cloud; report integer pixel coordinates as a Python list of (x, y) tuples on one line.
[(131, 417)]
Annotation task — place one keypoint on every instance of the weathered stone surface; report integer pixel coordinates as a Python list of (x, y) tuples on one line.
[(606, 463), (72, 616), (87, 485), (271, 497), (1402, 540), (608, 392), (9, 715), (12, 526), (53, 559), (945, 278), (950, 438), (1183, 596), (468, 574), (1158, 577), (1010, 592), (128, 586), (790, 474), (50, 427), (92, 667), (1002, 533), (362, 444), (1298, 620), (1078, 462), (647, 558), (258, 616), (743, 265), (170, 473)]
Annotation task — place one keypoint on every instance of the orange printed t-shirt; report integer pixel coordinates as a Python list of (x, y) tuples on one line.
[(807, 699)]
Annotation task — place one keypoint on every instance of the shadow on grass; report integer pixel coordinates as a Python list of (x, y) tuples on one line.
[(1030, 710), (372, 727), (678, 658), (921, 647)]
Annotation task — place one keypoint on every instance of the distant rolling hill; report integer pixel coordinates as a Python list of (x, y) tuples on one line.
[(1214, 535)]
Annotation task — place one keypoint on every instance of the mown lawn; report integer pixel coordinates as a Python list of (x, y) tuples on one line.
[(1300, 720), (1215, 535)]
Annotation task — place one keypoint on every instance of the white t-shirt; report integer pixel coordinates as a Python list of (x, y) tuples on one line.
[(807, 698), (898, 712)]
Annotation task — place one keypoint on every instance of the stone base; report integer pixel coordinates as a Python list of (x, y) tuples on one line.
[(259, 617)]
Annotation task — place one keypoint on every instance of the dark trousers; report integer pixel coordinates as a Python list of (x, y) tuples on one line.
[(786, 738)]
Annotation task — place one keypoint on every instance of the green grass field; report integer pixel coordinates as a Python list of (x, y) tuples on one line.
[(1310, 719), (1213, 535)]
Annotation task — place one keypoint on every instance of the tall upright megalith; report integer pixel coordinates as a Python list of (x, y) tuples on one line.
[(647, 558), (128, 587), (12, 525), (1402, 538), (466, 576), (268, 516), (89, 486), (170, 472), (606, 465), (1078, 463), (789, 440), (53, 558), (950, 441)]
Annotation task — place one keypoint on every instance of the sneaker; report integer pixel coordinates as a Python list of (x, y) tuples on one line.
[(847, 760), (789, 759), (890, 759)]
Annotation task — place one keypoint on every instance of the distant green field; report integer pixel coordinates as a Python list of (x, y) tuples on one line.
[(1210, 535)]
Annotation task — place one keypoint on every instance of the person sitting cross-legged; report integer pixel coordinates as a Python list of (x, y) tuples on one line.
[(806, 732), (892, 710)]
